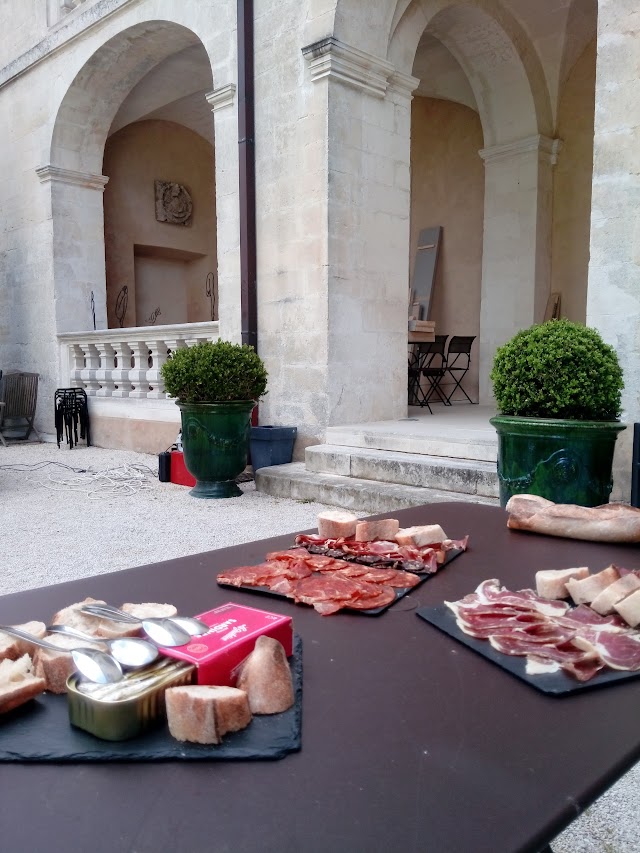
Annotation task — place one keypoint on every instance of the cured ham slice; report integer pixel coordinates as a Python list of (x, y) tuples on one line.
[(579, 641)]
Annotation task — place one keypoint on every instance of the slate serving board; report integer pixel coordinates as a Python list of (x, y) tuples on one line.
[(553, 683), (39, 731), (400, 593)]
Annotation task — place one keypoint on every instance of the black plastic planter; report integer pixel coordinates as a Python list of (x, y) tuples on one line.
[(271, 445)]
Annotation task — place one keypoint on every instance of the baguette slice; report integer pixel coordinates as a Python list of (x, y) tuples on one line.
[(614, 593), (418, 537), (585, 591), (552, 583), (386, 529), (265, 676), (629, 609), (93, 625), (18, 683), (336, 524), (56, 667), (200, 713), (613, 522), (12, 648)]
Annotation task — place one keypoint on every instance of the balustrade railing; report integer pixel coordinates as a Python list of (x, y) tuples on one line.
[(126, 362)]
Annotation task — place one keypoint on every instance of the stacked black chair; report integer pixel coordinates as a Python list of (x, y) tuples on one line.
[(71, 412), (458, 362)]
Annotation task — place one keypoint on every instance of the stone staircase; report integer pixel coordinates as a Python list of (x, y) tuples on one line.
[(391, 465)]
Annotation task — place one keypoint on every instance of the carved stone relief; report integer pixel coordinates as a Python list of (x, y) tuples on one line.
[(173, 203)]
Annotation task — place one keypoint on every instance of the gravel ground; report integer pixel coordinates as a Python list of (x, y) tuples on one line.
[(61, 524)]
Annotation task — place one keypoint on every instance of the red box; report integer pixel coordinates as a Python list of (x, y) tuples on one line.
[(233, 634), (179, 473)]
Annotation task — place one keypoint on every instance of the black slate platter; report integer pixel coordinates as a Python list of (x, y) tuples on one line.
[(39, 731), (554, 683), (400, 593)]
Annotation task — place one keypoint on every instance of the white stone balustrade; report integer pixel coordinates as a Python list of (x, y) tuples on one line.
[(126, 362)]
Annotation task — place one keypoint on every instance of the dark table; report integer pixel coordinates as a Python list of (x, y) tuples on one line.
[(411, 741)]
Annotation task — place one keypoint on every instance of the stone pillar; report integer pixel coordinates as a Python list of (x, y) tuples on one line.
[(613, 294), (368, 208), (222, 103), (516, 260), (78, 247)]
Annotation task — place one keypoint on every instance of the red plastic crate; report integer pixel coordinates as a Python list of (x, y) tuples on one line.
[(179, 473)]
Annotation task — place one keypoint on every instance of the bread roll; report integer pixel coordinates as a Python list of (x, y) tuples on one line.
[(584, 591), (613, 522), (18, 683), (201, 713), (12, 648), (265, 676), (552, 583), (418, 537), (614, 593), (386, 528), (336, 524)]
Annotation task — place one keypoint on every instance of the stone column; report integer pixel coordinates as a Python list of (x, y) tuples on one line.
[(613, 294), (78, 247), (368, 207), (222, 103), (516, 260)]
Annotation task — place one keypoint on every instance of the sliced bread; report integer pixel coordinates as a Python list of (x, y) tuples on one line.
[(200, 713), (56, 667), (605, 601), (385, 528), (265, 676), (336, 524), (12, 648), (584, 591), (629, 609), (418, 537), (18, 683), (552, 583)]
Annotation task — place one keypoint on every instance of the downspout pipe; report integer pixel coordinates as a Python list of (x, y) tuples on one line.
[(247, 180)]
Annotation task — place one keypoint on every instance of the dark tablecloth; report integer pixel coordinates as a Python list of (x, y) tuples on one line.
[(410, 741)]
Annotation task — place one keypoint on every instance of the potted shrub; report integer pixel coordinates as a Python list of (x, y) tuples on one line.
[(216, 386), (558, 390)]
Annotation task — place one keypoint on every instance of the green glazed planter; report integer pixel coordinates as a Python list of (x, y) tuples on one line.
[(215, 443), (564, 461)]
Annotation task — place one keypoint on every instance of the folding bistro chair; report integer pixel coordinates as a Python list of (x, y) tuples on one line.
[(458, 363), (19, 393), (428, 361)]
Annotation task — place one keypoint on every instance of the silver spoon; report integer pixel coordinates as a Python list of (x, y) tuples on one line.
[(162, 630), (132, 652), (95, 665), (187, 624)]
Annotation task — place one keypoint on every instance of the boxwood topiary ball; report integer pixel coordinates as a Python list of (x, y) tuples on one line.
[(558, 369), (214, 372)]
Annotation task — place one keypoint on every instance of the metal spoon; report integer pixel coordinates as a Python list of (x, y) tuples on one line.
[(95, 665), (132, 652), (186, 624)]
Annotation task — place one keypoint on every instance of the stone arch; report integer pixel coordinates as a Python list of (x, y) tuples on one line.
[(95, 95), (493, 50), (74, 171)]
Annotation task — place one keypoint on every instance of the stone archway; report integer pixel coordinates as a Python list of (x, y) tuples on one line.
[(74, 171), (512, 100)]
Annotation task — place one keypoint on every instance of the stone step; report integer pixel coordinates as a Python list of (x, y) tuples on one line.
[(452, 440), (470, 477), (359, 495)]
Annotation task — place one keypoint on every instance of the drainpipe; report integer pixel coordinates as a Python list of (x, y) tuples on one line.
[(246, 151)]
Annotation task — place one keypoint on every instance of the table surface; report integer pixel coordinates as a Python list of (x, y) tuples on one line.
[(410, 740)]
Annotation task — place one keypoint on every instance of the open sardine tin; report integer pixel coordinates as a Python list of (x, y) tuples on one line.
[(129, 707), (233, 631)]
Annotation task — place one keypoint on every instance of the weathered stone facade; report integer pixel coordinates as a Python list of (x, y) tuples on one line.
[(336, 147)]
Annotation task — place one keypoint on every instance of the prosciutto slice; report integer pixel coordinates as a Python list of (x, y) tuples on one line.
[(549, 634)]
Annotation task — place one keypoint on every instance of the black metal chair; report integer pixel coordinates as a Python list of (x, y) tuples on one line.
[(19, 394), (458, 362), (428, 361)]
